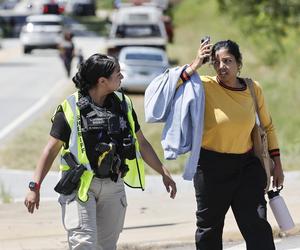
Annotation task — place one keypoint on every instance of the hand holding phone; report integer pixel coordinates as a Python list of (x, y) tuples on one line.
[(205, 39)]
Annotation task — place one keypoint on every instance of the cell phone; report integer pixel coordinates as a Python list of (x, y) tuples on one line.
[(205, 39)]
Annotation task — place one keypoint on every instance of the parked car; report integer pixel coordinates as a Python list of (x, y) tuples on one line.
[(52, 7), (81, 7), (140, 65), (41, 32), (136, 26), (162, 4)]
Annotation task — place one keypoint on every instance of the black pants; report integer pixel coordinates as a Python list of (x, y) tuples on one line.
[(67, 63), (236, 181)]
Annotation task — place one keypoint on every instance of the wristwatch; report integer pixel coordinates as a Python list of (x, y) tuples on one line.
[(34, 186)]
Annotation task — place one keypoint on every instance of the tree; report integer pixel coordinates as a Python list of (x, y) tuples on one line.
[(269, 18)]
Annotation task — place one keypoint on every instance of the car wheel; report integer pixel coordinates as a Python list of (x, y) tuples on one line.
[(27, 50)]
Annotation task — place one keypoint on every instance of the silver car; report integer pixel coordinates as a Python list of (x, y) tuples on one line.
[(140, 65), (41, 32)]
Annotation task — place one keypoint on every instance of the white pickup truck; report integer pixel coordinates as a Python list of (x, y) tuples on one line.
[(136, 26)]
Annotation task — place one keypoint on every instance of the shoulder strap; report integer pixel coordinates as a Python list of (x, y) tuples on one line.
[(124, 100), (126, 106), (250, 85)]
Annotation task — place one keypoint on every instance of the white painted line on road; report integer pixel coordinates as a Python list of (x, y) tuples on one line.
[(4, 132)]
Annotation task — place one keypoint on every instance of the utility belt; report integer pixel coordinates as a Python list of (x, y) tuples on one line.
[(70, 178), (111, 176), (109, 165)]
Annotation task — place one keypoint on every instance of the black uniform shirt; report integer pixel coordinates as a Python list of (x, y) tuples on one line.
[(62, 131)]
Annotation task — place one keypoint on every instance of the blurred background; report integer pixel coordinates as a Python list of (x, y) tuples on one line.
[(147, 37)]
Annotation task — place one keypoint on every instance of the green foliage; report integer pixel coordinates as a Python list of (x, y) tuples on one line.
[(5, 196), (104, 4), (264, 20), (276, 16)]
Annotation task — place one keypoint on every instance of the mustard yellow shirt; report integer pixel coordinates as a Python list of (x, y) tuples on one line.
[(230, 117)]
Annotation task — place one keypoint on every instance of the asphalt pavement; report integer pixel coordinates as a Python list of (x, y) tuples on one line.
[(153, 220)]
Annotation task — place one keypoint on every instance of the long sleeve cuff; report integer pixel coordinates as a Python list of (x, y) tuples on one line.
[(274, 152), (183, 78)]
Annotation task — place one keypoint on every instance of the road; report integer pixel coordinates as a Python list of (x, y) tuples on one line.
[(153, 220), (29, 82)]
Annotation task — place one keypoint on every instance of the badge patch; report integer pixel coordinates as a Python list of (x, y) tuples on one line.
[(122, 123)]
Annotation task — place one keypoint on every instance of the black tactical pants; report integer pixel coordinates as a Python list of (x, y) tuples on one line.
[(236, 181)]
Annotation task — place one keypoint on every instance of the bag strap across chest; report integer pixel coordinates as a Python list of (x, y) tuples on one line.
[(250, 85)]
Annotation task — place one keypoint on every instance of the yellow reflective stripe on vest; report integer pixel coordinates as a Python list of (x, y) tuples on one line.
[(135, 177), (68, 112), (76, 145), (82, 157), (85, 183)]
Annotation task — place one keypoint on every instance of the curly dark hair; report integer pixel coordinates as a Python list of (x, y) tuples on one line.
[(97, 65), (231, 46)]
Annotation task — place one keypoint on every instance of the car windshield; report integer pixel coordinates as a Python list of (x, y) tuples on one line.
[(148, 57), (45, 23), (127, 31)]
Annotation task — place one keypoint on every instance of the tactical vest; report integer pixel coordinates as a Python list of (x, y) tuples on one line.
[(134, 178)]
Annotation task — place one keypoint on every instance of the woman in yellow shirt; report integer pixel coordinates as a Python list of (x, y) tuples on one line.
[(228, 173)]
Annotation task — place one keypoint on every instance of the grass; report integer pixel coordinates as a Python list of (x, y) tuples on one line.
[(104, 4), (28, 143), (5, 196), (279, 80)]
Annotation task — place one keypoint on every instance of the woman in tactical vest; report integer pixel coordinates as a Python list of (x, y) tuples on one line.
[(102, 146)]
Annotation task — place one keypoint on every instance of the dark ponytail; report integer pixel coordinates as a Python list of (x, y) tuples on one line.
[(92, 69)]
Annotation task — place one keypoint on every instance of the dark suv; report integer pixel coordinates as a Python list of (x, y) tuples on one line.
[(81, 7)]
